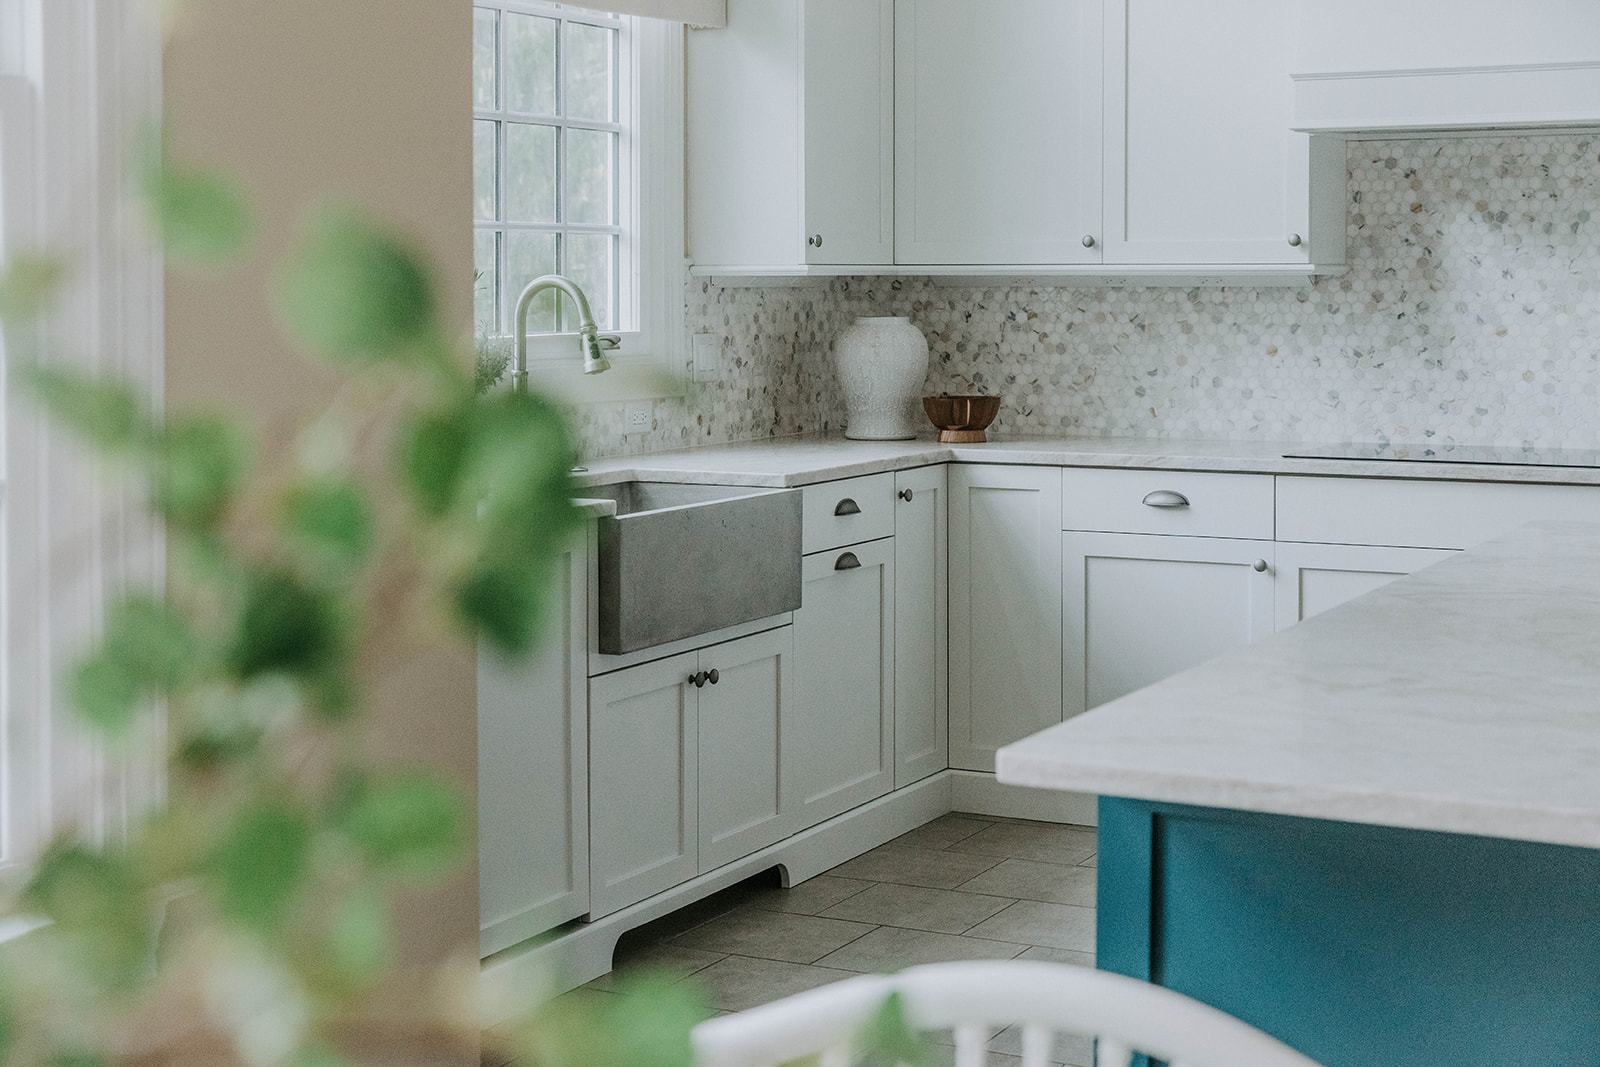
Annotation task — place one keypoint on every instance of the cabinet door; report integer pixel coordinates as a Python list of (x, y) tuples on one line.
[(844, 640), (533, 789), (997, 131), (849, 131), (921, 624), (1140, 607), (642, 804), (1200, 164), (1313, 578), (747, 794), (1005, 608)]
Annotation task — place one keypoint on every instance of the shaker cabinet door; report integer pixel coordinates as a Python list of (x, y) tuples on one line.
[(1005, 608), (921, 623), (997, 131), (642, 782), (844, 638)]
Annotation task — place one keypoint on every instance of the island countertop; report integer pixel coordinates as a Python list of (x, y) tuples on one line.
[(1464, 698)]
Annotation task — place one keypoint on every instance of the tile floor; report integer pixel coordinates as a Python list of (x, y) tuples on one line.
[(960, 887)]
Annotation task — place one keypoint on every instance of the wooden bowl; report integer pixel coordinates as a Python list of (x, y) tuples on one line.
[(961, 419)]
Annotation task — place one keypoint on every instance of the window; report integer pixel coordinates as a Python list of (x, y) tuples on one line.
[(577, 170)]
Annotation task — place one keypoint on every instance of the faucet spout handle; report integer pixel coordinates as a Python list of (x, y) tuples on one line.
[(609, 341)]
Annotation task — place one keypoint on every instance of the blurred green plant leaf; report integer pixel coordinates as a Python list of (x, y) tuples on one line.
[(106, 413), (96, 905), (261, 862), (411, 826), (285, 626), (330, 525), (432, 452), (357, 944), (889, 1040), (27, 286), (148, 649), (200, 214), (353, 292), (203, 461)]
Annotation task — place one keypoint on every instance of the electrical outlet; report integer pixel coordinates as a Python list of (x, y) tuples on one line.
[(637, 415), (705, 356)]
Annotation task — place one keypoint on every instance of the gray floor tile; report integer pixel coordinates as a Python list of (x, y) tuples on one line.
[(1030, 880), (916, 908), (890, 948), (739, 982), (944, 831), (1059, 955), (1033, 922), (1073, 1049), (927, 867), (667, 957), (1046, 842), (811, 896), (772, 935), (1092, 861)]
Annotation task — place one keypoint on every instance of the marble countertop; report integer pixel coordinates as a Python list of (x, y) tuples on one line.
[(789, 461), (1463, 698)]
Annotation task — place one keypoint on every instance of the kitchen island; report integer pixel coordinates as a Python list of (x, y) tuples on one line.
[(1376, 834)]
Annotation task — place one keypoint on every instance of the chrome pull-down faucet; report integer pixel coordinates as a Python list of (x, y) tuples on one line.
[(591, 342)]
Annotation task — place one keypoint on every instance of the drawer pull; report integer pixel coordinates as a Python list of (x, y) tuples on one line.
[(1259, 566), (847, 507), (847, 562), (1166, 498)]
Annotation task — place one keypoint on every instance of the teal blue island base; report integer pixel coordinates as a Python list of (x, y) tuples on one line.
[(1361, 946)]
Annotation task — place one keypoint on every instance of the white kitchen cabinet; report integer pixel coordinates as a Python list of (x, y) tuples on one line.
[(687, 765), (747, 795), (791, 138), (1313, 578), (533, 789), (921, 623), (1005, 608), (643, 807), (1200, 164), (844, 643), (997, 132), (1141, 607)]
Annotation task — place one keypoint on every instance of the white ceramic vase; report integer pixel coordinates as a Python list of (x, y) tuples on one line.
[(882, 364)]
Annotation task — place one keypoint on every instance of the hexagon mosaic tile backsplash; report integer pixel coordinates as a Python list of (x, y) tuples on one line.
[(1470, 313)]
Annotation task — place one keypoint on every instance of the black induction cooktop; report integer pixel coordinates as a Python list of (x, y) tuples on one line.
[(1502, 456)]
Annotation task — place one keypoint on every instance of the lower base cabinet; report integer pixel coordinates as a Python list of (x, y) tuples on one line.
[(1313, 578), (687, 767), (1138, 608)]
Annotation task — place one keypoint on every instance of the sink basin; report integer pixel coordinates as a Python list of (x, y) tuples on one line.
[(681, 560)]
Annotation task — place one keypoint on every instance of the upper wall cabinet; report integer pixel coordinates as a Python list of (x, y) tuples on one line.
[(791, 138), (997, 132), (1200, 163), (1362, 65)]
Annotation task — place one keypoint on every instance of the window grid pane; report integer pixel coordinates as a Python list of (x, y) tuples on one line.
[(552, 204)]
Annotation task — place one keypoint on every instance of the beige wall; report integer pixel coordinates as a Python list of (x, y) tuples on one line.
[(367, 101)]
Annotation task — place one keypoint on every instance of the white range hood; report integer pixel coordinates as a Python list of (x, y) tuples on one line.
[(1417, 65)]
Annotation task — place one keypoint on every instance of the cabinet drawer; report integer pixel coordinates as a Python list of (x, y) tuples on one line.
[(1420, 514), (1168, 502), (847, 511)]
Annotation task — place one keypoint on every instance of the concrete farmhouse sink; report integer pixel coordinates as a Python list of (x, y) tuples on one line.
[(681, 560)]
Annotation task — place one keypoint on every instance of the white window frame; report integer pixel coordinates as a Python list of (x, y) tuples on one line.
[(79, 79), (653, 269)]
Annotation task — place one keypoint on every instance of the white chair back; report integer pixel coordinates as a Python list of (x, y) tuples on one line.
[(973, 999)]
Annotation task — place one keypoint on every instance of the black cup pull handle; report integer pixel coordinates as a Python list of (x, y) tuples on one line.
[(847, 507), (847, 562)]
